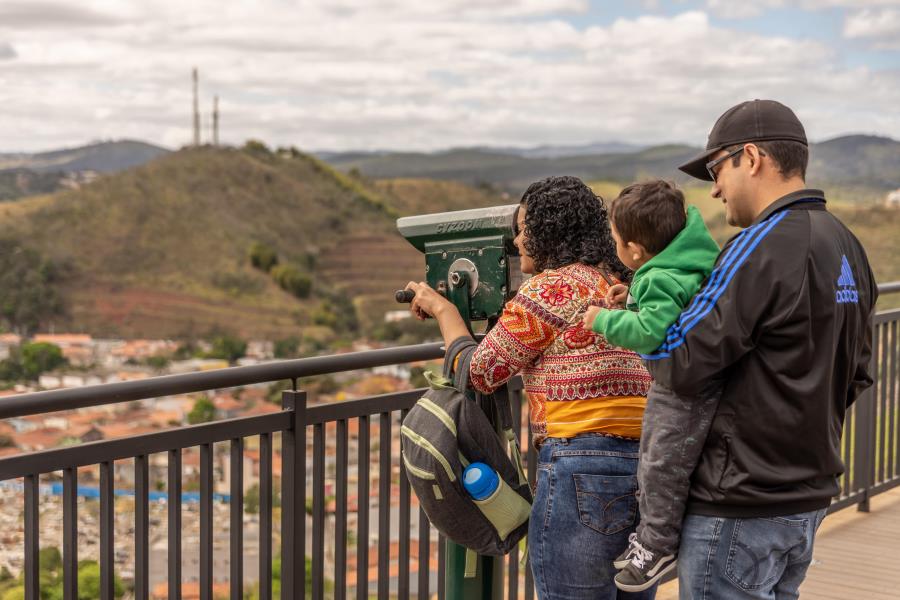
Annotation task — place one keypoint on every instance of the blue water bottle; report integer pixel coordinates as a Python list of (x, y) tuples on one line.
[(502, 505), (480, 481)]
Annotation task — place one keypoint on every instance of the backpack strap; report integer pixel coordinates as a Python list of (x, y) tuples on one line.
[(471, 568), (456, 369), (517, 455), (457, 360)]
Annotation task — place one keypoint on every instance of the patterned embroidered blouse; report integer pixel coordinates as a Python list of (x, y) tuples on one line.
[(575, 382)]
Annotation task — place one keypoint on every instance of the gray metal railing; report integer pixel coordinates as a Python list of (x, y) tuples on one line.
[(870, 450)]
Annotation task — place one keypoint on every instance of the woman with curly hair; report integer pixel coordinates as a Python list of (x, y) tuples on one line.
[(586, 397)]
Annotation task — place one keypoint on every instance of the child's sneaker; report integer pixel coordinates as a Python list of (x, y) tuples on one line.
[(623, 559), (644, 570)]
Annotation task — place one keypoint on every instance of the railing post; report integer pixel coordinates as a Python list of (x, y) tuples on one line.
[(864, 434), (293, 499)]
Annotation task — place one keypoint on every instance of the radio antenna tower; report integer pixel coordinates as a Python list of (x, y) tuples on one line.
[(196, 112), (215, 123)]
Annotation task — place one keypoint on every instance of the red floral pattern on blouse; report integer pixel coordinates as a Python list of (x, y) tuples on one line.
[(556, 293), (579, 338)]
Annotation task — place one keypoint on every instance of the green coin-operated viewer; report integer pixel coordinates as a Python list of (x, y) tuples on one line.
[(470, 258)]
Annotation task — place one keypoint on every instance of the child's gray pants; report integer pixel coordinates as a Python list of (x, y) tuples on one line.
[(672, 437)]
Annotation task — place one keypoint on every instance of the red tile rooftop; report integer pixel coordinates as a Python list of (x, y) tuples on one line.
[(189, 591), (40, 439), (63, 338)]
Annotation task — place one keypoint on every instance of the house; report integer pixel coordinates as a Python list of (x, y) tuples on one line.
[(78, 348), (190, 590), (40, 439), (227, 407), (893, 199), (7, 341)]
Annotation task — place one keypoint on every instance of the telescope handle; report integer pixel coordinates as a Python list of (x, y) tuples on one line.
[(404, 296)]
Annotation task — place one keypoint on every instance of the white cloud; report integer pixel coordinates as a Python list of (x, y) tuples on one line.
[(881, 26), (730, 9), (401, 74)]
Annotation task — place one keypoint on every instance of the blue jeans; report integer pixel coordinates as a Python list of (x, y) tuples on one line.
[(584, 509), (743, 559)]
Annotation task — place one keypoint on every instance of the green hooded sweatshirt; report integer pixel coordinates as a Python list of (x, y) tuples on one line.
[(661, 288)]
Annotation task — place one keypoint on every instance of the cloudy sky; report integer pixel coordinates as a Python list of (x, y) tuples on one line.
[(425, 75)]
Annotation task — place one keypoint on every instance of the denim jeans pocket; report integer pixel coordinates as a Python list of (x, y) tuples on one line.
[(760, 549), (606, 503)]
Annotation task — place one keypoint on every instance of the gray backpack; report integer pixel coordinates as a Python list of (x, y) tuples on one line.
[(441, 435)]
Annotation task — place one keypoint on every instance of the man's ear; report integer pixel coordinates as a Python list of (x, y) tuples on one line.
[(754, 158)]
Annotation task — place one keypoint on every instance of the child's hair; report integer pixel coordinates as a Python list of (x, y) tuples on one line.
[(650, 214)]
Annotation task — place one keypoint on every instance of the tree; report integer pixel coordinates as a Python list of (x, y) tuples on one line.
[(29, 292), (203, 412), (30, 360), (325, 315), (257, 148), (228, 347), (251, 500), (89, 581), (262, 256), (158, 362), (290, 279), (287, 347), (40, 357)]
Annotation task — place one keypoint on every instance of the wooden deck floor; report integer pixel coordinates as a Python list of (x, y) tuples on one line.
[(857, 555)]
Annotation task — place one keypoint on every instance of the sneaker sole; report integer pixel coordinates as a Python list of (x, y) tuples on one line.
[(649, 583)]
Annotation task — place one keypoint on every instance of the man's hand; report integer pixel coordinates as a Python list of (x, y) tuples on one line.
[(588, 320), (617, 295)]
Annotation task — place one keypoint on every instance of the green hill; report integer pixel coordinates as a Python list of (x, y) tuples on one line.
[(162, 249)]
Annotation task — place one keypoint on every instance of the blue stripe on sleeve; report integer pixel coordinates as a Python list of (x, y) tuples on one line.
[(705, 301)]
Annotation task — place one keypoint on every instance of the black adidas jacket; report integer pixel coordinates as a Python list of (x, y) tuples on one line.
[(785, 323)]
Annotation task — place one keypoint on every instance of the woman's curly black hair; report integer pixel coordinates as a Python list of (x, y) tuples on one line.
[(568, 223)]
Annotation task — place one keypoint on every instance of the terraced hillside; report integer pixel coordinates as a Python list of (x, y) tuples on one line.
[(162, 249)]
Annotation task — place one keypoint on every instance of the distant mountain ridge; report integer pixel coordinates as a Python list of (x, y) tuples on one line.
[(866, 161), (102, 157)]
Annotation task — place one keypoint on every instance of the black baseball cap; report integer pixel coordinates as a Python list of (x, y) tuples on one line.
[(750, 121)]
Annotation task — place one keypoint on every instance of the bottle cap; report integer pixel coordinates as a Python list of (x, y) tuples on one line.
[(480, 480)]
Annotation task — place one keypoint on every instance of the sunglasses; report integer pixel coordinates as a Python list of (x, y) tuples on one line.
[(711, 165)]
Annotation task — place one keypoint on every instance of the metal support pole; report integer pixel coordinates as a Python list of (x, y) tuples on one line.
[(488, 581)]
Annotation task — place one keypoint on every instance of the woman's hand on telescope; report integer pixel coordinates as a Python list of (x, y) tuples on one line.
[(429, 303)]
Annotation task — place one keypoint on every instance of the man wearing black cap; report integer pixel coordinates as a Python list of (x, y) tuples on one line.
[(784, 324)]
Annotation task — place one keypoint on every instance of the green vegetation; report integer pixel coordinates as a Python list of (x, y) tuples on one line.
[(29, 287), (286, 347), (203, 411), (158, 363), (290, 279), (17, 183), (28, 361), (51, 579), (227, 347), (263, 257)]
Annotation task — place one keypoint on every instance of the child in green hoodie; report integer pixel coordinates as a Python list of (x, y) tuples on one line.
[(671, 253)]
